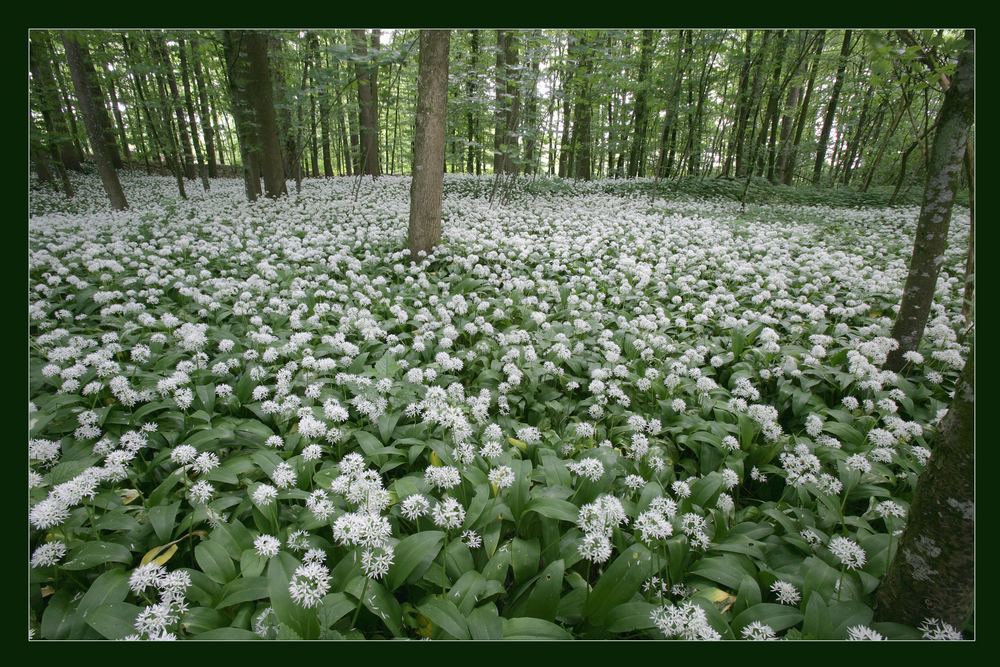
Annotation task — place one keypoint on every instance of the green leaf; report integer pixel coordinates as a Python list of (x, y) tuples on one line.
[(446, 616), (244, 589), (214, 561), (778, 616), (629, 617), (533, 628), (618, 583), (544, 598), (524, 558), (232, 634), (554, 508), (484, 623), (162, 518), (113, 620), (112, 586), (333, 608), (279, 572), (96, 553), (414, 555)]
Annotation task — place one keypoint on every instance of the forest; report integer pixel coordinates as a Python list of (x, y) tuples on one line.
[(501, 334)]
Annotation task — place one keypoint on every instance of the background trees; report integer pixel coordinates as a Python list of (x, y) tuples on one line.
[(833, 108)]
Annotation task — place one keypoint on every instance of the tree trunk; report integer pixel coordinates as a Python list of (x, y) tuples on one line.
[(640, 112), (933, 573), (238, 78), (742, 109), (428, 155), (789, 171), (261, 93), (366, 74), (189, 105), (831, 108), (565, 147), (103, 118), (178, 105), (582, 113), (970, 258), (206, 117), (47, 91), (89, 108), (954, 120), (117, 113), (505, 138)]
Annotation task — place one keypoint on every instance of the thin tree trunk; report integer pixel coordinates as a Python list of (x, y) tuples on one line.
[(206, 117), (831, 108), (368, 110), (789, 171), (432, 99), (89, 108), (189, 105), (954, 120)]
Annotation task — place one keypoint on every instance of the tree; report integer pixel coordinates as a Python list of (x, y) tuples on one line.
[(89, 108), (46, 94), (367, 74), (428, 154), (206, 117), (189, 105), (505, 137), (640, 112), (261, 94), (933, 572), (582, 112), (954, 121), (831, 107)]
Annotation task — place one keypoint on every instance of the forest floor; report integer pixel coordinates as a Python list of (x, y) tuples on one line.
[(718, 368)]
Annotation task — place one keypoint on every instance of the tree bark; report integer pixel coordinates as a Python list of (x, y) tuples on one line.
[(238, 76), (640, 112), (789, 170), (261, 93), (933, 572), (582, 112), (954, 120), (428, 155), (178, 106), (206, 117), (88, 106), (368, 110), (189, 105), (831, 108), (47, 91)]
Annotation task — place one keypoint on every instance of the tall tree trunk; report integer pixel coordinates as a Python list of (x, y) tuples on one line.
[(933, 573), (735, 149), (163, 55), (428, 154), (189, 105), (789, 171), (367, 74), (831, 108), (640, 112), (970, 258), (117, 113), (64, 93), (238, 77), (505, 138), (582, 112), (470, 94), (954, 120), (565, 147), (669, 135), (207, 128), (47, 91), (107, 129), (89, 109), (261, 93)]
